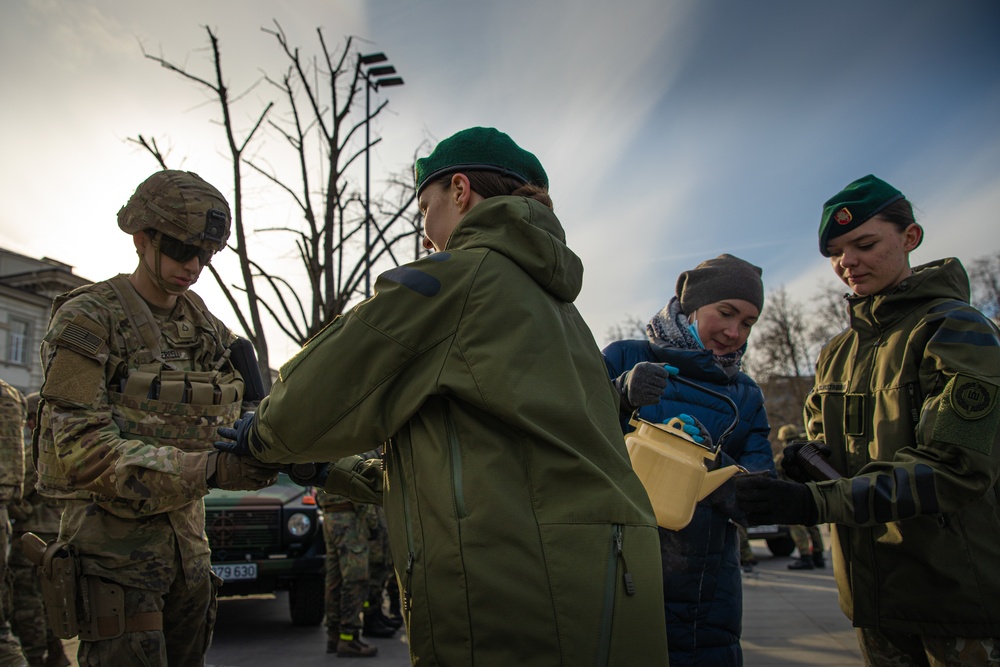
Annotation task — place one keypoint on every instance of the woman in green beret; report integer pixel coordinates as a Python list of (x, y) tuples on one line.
[(520, 532), (905, 406)]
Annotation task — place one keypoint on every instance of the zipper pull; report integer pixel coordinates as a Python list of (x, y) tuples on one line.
[(627, 577), (407, 597)]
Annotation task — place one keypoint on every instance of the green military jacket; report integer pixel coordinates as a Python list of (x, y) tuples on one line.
[(907, 400), (126, 426), (520, 534)]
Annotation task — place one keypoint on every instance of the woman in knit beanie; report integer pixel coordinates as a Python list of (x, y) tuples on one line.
[(701, 334)]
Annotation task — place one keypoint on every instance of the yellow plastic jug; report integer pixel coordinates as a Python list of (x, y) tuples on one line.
[(671, 465)]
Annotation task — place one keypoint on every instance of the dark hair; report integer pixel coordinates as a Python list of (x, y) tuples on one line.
[(899, 213), (491, 184)]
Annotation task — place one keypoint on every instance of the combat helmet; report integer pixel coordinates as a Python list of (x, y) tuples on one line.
[(180, 204), (788, 432)]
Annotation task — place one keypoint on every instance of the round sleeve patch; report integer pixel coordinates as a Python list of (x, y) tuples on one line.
[(972, 398)]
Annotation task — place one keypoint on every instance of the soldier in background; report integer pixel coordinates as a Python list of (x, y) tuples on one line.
[(40, 515), (345, 529), (808, 540), (380, 574), (11, 480), (137, 380)]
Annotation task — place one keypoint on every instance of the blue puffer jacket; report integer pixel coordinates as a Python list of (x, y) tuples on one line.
[(702, 589)]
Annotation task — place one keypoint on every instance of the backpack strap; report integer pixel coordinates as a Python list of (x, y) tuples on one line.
[(139, 315)]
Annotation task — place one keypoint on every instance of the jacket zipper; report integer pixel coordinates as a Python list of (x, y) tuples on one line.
[(398, 461), (456, 464), (615, 554)]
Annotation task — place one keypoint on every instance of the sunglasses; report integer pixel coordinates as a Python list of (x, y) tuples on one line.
[(183, 252)]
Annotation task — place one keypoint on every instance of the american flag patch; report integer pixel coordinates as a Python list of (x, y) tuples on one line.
[(79, 338)]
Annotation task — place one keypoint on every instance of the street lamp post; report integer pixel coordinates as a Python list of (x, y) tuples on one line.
[(375, 78)]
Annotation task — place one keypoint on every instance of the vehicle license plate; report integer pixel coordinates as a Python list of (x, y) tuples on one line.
[(236, 571), (756, 530)]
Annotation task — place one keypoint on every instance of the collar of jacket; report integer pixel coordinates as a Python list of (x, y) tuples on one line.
[(942, 279), (529, 234)]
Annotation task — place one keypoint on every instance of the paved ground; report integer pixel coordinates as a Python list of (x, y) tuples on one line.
[(790, 619)]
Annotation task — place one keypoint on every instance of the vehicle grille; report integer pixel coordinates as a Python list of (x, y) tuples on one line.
[(243, 528)]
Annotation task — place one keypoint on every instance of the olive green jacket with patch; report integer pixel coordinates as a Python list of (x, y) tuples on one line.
[(520, 534), (907, 400)]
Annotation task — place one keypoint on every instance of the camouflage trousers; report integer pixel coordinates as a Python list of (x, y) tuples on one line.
[(746, 551), (10, 650), (379, 558), (346, 535), (28, 619), (803, 535), (188, 621), (893, 649)]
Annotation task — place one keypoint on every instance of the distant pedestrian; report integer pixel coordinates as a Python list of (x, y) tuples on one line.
[(906, 405)]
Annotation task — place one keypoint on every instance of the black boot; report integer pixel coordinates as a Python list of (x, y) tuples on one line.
[(355, 648), (376, 627), (818, 560), (803, 563)]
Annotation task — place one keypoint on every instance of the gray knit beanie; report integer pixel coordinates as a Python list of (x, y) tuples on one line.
[(725, 277)]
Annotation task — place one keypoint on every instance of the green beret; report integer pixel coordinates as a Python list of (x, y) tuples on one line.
[(854, 205), (479, 149)]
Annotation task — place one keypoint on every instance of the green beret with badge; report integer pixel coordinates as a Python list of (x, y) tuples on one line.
[(854, 205), (480, 149)]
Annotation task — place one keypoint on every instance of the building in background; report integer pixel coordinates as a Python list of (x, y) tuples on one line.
[(27, 288)]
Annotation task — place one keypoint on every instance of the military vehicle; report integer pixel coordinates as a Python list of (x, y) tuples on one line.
[(267, 541)]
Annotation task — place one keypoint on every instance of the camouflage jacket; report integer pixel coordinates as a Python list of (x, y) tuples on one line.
[(11, 444), (38, 514), (126, 424), (907, 400)]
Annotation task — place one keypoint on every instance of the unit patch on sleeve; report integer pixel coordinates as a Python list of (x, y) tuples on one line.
[(972, 398)]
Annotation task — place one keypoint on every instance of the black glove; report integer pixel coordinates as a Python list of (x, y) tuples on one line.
[(644, 384), (790, 463), (240, 433), (309, 474), (766, 500)]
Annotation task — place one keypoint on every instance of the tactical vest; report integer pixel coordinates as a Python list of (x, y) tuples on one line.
[(152, 399)]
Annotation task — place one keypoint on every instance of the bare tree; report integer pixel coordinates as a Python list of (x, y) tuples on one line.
[(829, 316), (628, 329), (780, 343), (984, 277), (316, 117)]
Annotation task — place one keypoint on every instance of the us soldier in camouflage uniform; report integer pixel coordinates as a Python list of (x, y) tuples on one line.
[(40, 515), (345, 529), (137, 380), (12, 412), (380, 573), (907, 406)]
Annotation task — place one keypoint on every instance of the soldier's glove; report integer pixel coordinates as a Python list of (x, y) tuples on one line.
[(309, 474), (766, 500), (644, 384), (239, 433), (239, 473), (20, 510), (358, 478), (723, 499), (791, 463)]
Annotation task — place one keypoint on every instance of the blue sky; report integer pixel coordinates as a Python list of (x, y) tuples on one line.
[(671, 131)]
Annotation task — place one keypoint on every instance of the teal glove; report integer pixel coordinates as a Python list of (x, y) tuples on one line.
[(696, 430)]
